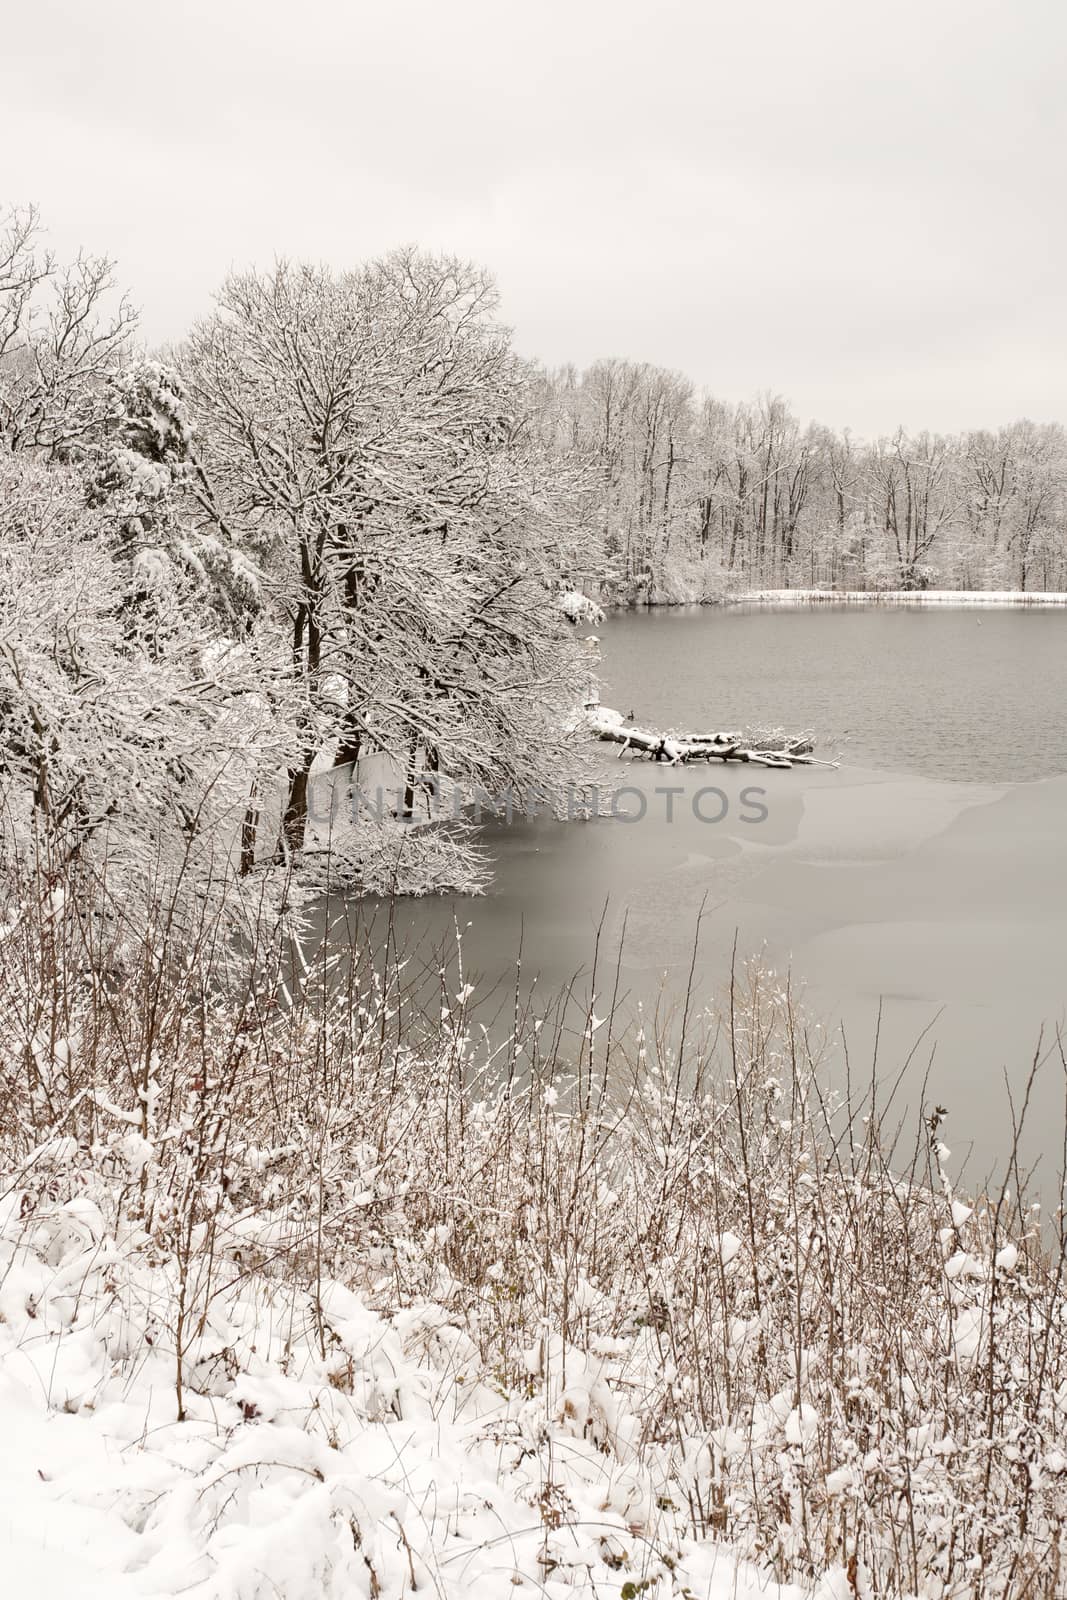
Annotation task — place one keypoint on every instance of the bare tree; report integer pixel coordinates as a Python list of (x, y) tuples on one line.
[(63, 335)]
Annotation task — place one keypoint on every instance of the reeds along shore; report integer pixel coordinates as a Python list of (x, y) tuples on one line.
[(664, 1257)]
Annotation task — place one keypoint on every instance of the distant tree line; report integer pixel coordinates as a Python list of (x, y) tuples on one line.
[(694, 496)]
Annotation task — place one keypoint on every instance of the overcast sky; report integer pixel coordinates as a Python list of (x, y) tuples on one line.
[(861, 207)]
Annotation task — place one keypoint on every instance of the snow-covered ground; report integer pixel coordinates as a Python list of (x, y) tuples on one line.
[(312, 1300), (327, 1449)]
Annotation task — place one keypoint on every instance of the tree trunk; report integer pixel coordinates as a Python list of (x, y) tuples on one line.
[(294, 820), (248, 833), (307, 652), (409, 779), (350, 745)]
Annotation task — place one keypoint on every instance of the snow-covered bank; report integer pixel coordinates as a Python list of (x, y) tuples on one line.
[(307, 1293), (326, 1450), (898, 597), (196, 1405)]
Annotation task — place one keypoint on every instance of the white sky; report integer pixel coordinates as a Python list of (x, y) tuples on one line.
[(860, 207)]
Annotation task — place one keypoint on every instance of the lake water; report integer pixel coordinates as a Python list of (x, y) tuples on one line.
[(926, 876)]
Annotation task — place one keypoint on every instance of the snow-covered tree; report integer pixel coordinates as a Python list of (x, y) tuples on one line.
[(64, 333), (127, 750), (366, 433), (143, 472)]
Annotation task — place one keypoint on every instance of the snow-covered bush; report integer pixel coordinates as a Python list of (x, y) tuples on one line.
[(683, 578), (577, 607)]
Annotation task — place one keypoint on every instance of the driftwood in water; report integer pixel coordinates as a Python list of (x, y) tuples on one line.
[(765, 750)]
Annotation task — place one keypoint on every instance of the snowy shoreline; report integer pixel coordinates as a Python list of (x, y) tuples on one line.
[(956, 598), (899, 597)]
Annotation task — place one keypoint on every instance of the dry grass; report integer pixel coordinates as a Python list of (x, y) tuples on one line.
[(676, 1240)]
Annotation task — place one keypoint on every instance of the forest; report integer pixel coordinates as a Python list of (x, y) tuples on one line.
[(696, 498)]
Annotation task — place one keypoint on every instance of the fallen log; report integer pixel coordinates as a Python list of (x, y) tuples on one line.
[(761, 749)]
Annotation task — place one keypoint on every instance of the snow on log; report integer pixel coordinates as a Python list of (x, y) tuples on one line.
[(603, 718), (762, 749)]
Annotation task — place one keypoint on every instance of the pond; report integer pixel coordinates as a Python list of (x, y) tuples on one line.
[(923, 881)]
